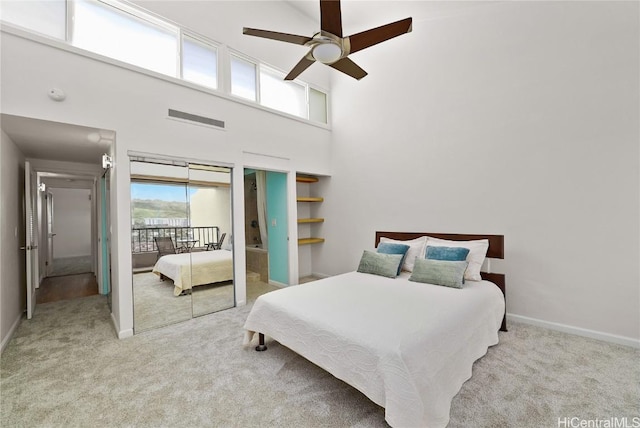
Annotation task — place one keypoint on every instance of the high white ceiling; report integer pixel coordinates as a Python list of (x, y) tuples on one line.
[(361, 15)]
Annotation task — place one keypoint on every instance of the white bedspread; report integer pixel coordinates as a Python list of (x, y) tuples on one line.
[(407, 346), (188, 270)]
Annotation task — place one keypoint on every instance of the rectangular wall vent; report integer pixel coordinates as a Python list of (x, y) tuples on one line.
[(195, 118)]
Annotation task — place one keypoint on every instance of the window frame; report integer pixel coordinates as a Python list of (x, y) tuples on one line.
[(258, 68), (256, 63), (326, 103), (137, 13), (279, 73), (205, 41)]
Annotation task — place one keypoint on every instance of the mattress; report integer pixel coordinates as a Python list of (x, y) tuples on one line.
[(407, 346), (188, 270)]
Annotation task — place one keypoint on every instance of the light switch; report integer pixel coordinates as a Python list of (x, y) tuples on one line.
[(274, 223)]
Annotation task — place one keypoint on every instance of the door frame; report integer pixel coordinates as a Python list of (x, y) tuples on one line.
[(48, 232), (31, 238), (291, 209)]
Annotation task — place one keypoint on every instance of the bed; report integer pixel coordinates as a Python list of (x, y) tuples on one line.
[(407, 346), (188, 270)]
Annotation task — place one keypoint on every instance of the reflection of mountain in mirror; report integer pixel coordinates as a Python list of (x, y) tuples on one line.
[(159, 209)]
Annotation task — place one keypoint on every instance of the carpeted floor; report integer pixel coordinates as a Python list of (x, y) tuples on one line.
[(66, 368), (155, 305), (71, 265)]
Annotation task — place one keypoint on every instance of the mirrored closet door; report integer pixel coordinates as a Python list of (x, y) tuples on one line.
[(180, 235), (211, 252)]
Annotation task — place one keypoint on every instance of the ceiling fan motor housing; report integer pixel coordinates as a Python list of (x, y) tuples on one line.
[(327, 48)]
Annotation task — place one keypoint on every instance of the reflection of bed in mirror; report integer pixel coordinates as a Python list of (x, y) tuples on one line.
[(189, 270)]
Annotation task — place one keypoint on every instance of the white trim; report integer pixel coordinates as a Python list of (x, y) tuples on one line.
[(607, 337), (11, 332), (151, 156), (277, 284), (122, 334), (320, 275)]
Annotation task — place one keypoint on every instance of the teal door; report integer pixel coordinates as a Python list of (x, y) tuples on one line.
[(277, 225)]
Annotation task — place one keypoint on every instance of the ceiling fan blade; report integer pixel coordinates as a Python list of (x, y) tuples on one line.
[(349, 67), (283, 37), (301, 66), (331, 17), (377, 35)]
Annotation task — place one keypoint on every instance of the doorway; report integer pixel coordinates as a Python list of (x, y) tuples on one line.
[(266, 231), (69, 236), (56, 155), (69, 215), (67, 243)]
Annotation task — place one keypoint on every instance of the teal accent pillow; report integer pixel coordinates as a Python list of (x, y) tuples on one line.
[(439, 272), (453, 254), (380, 264), (391, 248)]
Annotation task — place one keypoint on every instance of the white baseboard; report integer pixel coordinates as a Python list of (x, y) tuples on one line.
[(320, 275), (122, 334), (11, 332), (125, 333), (592, 334), (278, 284)]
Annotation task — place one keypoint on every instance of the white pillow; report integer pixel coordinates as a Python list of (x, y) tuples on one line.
[(417, 247), (477, 253)]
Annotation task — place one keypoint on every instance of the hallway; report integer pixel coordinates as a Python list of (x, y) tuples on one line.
[(66, 287)]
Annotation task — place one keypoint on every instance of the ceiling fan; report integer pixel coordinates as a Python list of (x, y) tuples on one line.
[(328, 46)]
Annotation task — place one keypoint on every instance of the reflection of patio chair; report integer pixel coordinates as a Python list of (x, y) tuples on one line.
[(216, 245), (165, 246)]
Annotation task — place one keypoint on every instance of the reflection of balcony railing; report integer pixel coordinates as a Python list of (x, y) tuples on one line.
[(142, 238)]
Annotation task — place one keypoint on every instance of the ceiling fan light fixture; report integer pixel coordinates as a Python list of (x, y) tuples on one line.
[(327, 53)]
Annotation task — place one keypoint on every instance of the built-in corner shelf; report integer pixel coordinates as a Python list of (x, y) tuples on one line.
[(306, 179), (305, 241), (310, 220)]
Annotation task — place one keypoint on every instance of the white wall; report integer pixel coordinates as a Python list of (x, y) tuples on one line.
[(212, 207), (135, 106), (518, 118), (71, 222), (12, 237)]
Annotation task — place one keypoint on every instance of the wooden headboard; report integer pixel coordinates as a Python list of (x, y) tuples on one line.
[(495, 251), (496, 242)]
